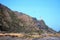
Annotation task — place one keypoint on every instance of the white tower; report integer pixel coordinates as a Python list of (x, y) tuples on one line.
[(40, 17)]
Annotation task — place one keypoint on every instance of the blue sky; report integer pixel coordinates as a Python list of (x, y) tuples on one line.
[(49, 10)]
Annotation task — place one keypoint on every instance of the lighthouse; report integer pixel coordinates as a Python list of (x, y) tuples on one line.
[(41, 18)]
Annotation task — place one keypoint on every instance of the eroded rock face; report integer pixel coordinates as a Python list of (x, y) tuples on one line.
[(13, 21)]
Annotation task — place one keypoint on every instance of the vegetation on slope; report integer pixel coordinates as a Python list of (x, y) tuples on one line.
[(18, 22)]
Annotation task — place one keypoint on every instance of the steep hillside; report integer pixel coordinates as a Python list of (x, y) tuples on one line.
[(13, 21), (8, 20)]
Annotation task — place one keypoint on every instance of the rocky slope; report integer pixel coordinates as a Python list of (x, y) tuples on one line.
[(13, 21)]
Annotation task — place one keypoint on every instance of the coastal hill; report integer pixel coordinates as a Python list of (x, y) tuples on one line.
[(17, 22)]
